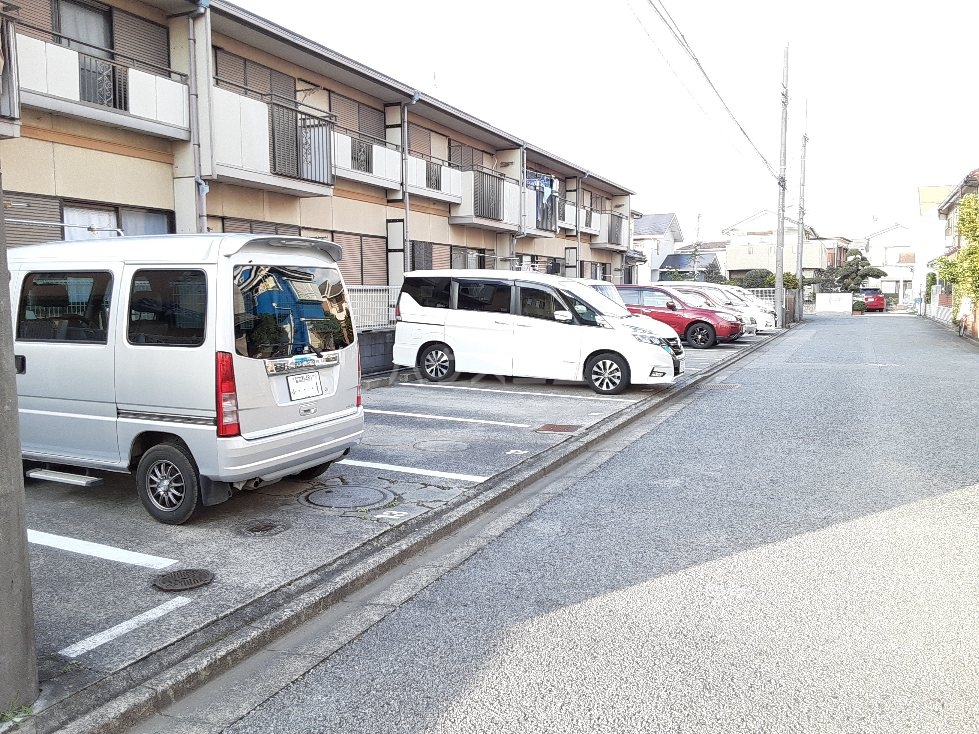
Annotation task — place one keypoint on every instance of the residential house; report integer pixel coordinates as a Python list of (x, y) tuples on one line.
[(706, 251), (157, 116), (753, 242), (655, 236)]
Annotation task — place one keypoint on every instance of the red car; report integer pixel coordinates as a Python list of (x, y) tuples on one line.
[(874, 299), (700, 327)]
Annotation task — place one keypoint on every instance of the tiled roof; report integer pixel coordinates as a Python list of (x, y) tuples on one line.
[(654, 224), (685, 262)]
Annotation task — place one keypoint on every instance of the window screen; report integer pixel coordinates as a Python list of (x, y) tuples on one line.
[(481, 295), (167, 308)]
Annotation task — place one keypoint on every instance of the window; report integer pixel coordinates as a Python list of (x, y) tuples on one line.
[(631, 296), (481, 295), (283, 311), (585, 313), (430, 292), (69, 306), (167, 308), (657, 299), (538, 303)]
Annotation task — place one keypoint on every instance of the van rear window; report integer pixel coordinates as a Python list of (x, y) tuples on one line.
[(282, 311), (429, 292)]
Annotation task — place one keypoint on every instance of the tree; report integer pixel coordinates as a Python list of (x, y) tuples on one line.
[(855, 271), (672, 273), (759, 279), (961, 269), (790, 281), (712, 273), (826, 280)]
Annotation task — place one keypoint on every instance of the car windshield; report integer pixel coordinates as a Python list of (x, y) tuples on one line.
[(609, 291), (594, 300), (695, 300)]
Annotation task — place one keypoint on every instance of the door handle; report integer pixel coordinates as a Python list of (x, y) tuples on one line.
[(20, 363), (501, 323)]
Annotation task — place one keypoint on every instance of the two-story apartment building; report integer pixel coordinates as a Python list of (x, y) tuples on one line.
[(157, 116), (753, 242)]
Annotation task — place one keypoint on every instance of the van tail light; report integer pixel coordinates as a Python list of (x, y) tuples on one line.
[(226, 401), (360, 400), (397, 310)]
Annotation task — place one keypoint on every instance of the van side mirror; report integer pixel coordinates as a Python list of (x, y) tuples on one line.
[(563, 316), (671, 305)]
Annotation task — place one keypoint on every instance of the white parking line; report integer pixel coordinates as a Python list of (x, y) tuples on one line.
[(90, 643), (412, 470), (97, 549), (447, 418), (518, 392)]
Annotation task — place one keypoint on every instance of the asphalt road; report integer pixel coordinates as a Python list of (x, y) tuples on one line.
[(792, 552)]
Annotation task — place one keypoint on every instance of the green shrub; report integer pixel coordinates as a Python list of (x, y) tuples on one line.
[(859, 306)]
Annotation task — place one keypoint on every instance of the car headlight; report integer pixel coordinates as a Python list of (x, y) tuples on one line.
[(648, 337)]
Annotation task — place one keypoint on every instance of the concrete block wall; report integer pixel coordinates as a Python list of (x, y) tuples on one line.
[(376, 351)]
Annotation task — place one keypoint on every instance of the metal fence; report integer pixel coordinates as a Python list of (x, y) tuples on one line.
[(764, 294), (373, 305)]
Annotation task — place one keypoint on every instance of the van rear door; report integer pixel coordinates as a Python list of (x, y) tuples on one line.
[(294, 346)]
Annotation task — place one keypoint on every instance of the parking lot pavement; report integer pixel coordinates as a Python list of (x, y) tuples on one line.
[(95, 551)]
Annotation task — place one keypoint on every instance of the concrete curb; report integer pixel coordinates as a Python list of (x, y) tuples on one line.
[(124, 698)]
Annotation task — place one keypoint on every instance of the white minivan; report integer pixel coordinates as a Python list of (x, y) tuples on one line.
[(205, 364), (525, 324)]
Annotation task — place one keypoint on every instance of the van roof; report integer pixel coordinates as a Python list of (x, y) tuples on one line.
[(526, 275), (200, 248)]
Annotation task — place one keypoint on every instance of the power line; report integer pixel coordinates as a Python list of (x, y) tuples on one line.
[(664, 15)]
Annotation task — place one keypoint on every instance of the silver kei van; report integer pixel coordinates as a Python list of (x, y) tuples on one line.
[(205, 364)]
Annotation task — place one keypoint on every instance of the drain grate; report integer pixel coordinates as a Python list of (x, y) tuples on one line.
[(349, 497), (557, 428), (719, 386), (263, 527), (184, 579)]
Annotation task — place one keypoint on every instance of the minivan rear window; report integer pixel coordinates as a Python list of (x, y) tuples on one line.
[(281, 311)]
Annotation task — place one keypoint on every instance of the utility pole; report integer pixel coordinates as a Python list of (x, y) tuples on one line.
[(695, 260), (18, 659), (780, 242), (802, 227)]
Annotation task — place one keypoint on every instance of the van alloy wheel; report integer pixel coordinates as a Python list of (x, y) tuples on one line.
[(165, 484), (606, 375), (438, 363), (168, 483)]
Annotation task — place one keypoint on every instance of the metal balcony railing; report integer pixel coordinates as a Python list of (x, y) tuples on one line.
[(487, 194), (299, 143), (616, 229)]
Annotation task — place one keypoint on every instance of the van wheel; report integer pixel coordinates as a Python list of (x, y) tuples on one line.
[(438, 363), (607, 373), (167, 483), (701, 335)]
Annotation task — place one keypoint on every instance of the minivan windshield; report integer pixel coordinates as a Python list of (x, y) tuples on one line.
[(595, 300), (281, 311)]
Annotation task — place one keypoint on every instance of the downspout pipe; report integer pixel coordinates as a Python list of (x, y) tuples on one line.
[(522, 218), (405, 196), (580, 195), (195, 130)]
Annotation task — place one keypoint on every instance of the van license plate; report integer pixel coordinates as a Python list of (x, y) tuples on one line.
[(306, 385)]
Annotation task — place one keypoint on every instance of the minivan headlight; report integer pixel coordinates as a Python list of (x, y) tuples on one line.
[(648, 337)]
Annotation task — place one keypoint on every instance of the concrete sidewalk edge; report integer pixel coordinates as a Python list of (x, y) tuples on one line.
[(123, 698)]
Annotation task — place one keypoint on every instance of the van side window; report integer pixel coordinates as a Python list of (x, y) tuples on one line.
[(430, 292), (167, 308), (538, 303), (482, 295), (585, 314), (65, 307), (631, 296)]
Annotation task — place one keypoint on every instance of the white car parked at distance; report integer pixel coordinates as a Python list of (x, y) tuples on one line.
[(525, 324), (742, 299)]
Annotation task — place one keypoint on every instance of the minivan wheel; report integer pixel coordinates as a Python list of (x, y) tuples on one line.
[(167, 483), (701, 335), (607, 373), (438, 363)]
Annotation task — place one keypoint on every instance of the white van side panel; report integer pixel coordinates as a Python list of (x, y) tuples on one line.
[(481, 341)]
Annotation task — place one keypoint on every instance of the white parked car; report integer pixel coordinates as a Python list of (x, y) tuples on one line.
[(525, 324)]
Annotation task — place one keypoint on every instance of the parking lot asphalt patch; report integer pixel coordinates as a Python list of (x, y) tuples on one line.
[(117, 700)]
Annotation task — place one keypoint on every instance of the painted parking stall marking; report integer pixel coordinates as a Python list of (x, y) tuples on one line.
[(413, 470), (84, 547), (448, 418), (97, 640), (520, 392)]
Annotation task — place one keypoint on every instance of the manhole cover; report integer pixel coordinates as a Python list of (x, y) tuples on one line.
[(184, 579), (263, 527), (557, 428), (349, 497), (441, 446)]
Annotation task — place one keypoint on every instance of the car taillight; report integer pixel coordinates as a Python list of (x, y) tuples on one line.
[(226, 401), (397, 310), (360, 400)]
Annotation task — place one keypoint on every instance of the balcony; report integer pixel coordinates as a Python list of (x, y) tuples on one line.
[(566, 214), (434, 179), (101, 85), (540, 210), (490, 200), (590, 220), (613, 232), (272, 143), (364, 158)]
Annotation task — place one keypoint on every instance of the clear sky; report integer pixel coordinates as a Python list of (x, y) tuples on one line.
[(889, 88)]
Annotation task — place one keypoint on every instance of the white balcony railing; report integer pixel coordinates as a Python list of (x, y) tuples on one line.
[(363, 158)]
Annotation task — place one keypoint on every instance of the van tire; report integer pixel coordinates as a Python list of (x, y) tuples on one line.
[(700, 335), (437, 363), (607, 373), (168, 483)]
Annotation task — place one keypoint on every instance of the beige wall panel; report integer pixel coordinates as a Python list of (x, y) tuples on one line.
[(440, 228), (420, 227), (317, 212), (185, 202), (359, 216), (549, 246), (282, 208), (457, 235), (28, 166), (214, 224), (108, 133), (97, 176), (225, 200)]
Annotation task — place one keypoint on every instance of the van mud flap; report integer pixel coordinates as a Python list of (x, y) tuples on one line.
[(214, 493)]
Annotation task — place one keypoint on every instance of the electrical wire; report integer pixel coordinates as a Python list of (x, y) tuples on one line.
[(664, 15)]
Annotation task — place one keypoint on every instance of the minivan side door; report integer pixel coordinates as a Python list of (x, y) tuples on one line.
[(480, 328), (64, 336), (542, 346)]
